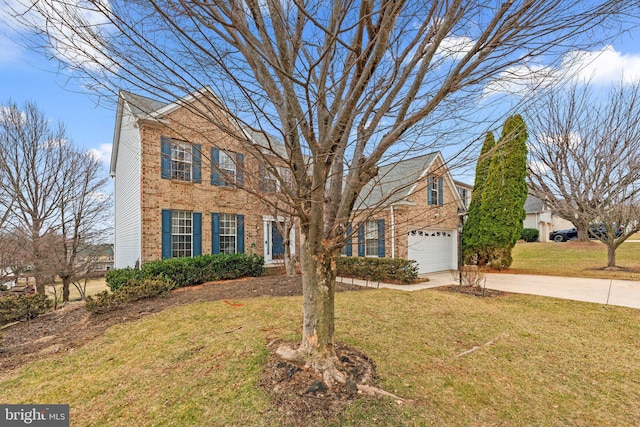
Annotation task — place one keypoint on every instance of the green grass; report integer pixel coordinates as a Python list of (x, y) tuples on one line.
[(574, 259), (552, 363)]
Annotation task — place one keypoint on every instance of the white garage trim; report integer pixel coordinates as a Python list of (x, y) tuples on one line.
[(433, 250)]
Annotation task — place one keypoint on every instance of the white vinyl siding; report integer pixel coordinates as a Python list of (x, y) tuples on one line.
[(128, 217)]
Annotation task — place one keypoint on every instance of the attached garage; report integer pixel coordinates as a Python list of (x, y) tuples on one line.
[(433, 250)]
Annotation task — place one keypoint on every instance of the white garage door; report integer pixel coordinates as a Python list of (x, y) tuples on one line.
[(433, 250)]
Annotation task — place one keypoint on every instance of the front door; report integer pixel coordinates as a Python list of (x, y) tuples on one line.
[(277, 243)]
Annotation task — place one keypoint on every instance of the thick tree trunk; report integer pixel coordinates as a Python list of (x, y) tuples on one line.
[(289, 263), (66, 282), (611, 256), (317, 348), (583, 231)]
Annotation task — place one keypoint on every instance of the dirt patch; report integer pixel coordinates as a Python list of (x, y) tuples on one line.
[(301, 396), (71, 327), (473, 290)]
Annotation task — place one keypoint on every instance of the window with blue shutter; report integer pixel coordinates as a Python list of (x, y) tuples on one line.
[(165, 157), (240, 233), (240, 172), (196, 155), (349, 246), (381, 238), (215, 233), (215, 162), (430, 190), (166, 234), (361, 240), (197, 233)]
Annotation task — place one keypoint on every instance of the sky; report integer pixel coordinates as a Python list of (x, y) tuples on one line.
[(31, 76)]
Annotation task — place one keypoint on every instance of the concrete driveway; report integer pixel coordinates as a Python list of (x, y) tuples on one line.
[(625, 293)]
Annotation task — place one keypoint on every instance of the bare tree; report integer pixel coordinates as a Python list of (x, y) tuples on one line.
[(345, 85), (585, 160), (57, 193), (32, 159), (81, 220)]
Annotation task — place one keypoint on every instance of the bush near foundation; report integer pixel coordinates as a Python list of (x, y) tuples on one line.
[(378, 269), (133, 290), (191, 271)]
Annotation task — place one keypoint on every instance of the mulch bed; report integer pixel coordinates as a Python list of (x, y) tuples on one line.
[(69, 328), (472, 290)]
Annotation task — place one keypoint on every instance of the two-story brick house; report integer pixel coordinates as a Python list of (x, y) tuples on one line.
[(177, 192)]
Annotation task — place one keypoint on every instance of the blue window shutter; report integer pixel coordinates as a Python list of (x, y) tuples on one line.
[(381, 238), (240, 233), (166, 233), (197, 233), (215, 162), (215, 233), (240, 170), (430, 181), (361, 240), (165, 157), (196, 155), (348, 245), (440, 191)]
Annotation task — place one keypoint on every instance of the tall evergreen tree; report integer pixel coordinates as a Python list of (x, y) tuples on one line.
[(473, 241), (504, 194)]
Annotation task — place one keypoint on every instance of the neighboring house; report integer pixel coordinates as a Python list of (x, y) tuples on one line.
[(419, 221), (97, 259), (175, 185), (464, 191), (540, 217), (176, 191)]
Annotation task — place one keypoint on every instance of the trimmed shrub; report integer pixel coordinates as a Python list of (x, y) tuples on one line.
[(378, 269), (23, 307), (116, 278), (530, 235), (133, 290), (191, 271), (205, 268)]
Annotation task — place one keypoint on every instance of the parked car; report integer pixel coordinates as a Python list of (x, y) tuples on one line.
[(595, 231)]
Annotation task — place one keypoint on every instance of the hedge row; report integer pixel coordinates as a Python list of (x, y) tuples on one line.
[(23, 307), (190, 271), (378, 269), (133, 290)]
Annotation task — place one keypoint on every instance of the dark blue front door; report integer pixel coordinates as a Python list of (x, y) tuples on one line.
[(277, 244)]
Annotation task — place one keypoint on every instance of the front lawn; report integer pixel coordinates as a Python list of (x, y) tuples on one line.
[(540, 361), (575, 259)]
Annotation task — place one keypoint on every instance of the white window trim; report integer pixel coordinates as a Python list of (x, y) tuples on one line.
[(234, 234), (175, 217), (178, 147)]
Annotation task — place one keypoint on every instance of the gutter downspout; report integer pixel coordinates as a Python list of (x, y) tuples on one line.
[(393, 233)]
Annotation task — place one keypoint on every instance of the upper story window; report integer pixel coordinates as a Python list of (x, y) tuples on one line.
[(180, 160), (464, 195), (435, 191), (270, 183), (226, 168)]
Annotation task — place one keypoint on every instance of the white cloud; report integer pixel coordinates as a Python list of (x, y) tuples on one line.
[(520, 79), (455, 47), (600, 67), (603, 66), (102, 153)]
